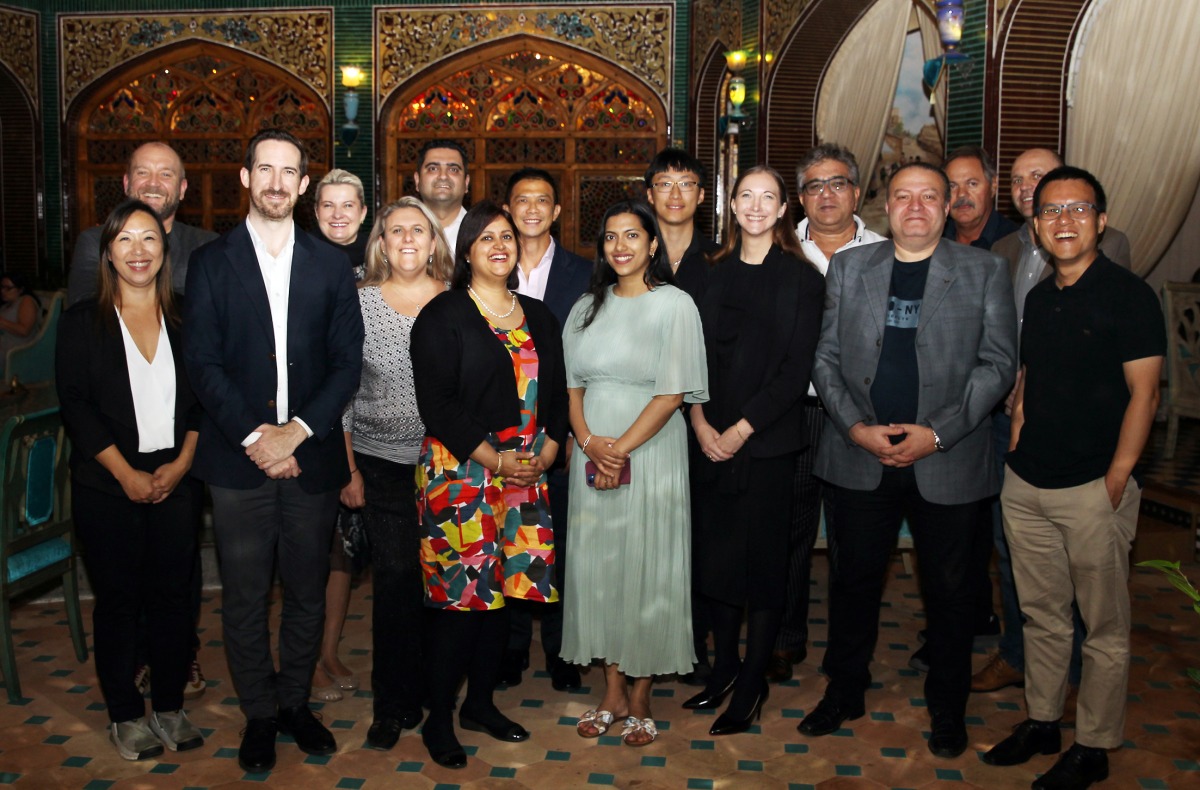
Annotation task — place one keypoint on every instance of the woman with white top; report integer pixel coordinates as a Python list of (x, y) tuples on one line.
[(132, 420)]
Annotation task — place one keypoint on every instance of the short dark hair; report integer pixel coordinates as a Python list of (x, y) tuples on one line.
[(282, 136), (532, 174), (678, 160), (442, 143), (1068, 173), (974, 152), (824, 152), (477, 219), (919, 165)]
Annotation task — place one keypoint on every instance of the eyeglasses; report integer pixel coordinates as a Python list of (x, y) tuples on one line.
[(1077, 210), (667, 186), (8, 288), (838, 184)]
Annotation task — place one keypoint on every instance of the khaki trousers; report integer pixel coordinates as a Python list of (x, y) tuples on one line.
[(1069, 544)]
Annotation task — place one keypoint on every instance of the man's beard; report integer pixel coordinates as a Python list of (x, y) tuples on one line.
[(169, 207), (272, 210)]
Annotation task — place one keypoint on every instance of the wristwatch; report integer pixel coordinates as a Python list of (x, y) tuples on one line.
[(937, 440)]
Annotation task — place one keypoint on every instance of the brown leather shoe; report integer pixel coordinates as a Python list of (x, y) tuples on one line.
[(997, 674), (779, 667)]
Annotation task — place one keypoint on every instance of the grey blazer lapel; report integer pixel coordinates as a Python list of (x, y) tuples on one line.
[(942, 273), (877, 282)]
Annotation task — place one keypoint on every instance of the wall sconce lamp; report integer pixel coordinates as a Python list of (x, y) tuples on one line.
[(950, 16), (735, 61), (352, 77)]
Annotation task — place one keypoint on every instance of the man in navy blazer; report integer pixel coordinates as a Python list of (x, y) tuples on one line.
[(548, 271), (273, 343), (918, 344)]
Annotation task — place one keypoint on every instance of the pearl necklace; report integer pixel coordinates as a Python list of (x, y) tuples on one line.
[(512, 307)]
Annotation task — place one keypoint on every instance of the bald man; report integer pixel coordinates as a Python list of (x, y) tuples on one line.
[(155, 176)]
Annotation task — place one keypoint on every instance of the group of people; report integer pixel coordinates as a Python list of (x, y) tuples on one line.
[(682, 415)]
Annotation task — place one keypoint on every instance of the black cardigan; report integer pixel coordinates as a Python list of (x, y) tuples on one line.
[(770, 377), (96, 400), (464, 375)]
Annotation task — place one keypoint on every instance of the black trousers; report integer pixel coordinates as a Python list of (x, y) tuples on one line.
[(276, 524), (397, 612), (520, 613), (139, 558), (868, 523)]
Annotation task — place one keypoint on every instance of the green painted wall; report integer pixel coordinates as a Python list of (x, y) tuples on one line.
[(964, 113)]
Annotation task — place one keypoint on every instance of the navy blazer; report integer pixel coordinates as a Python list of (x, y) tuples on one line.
[(229, 346), (96, 399), (569, 278)]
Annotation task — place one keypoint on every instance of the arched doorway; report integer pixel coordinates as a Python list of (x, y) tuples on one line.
[(206, 100), (527, 101), (709, 88), (20, 176)]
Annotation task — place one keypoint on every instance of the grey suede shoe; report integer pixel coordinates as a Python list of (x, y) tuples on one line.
[(134, 740), (175, 731)]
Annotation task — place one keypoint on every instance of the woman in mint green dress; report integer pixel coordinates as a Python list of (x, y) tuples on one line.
[(634, 351)]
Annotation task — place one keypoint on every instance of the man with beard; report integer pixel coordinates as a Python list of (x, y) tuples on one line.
[(441, 178), (973, 218), (273, 341), (156, 177)]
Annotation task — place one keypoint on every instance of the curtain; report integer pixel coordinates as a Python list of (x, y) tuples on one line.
[(1133, 116), (859, 88)]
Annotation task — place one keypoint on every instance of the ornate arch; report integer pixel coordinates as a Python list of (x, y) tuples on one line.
[(524, 100), (709, 91), (22, 228), (207, 100)]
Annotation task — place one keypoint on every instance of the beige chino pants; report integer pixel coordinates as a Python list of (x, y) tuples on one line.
[(1069, 544)]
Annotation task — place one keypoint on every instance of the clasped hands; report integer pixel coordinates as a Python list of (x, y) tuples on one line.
[(876, 440), (150, 489), (719, 446), (273, 451), (609, 462)]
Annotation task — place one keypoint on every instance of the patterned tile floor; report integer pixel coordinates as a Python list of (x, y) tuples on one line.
[(56, 737)]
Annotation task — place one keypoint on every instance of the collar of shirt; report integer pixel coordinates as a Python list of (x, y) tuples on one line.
[(535, 283), (813, 252), (265, 259)]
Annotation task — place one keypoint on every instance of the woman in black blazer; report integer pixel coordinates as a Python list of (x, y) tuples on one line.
[(761, 316), (132, 420), (491, 390)]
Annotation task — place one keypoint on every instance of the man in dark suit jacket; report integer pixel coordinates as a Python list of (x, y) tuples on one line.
[(273, 341), (918, 343), (548, 271)]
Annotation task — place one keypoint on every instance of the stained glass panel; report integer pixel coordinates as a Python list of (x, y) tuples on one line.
[(616, 108), (124, 111), (438, 109)]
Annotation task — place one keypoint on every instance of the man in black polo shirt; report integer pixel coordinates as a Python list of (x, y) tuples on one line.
[(1092, 347)]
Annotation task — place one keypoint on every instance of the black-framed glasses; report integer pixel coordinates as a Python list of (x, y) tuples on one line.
[(1078, 210), (838, 184), (685, 185)]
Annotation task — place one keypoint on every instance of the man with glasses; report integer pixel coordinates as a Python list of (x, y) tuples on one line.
[(1092, 347), (828, 178), (675, 189), (1028, 264), (973, 218)]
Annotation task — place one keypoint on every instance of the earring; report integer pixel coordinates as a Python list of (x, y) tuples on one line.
[(386, 262), (430, 261)]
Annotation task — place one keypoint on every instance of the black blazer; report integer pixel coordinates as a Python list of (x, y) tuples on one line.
[(569, 278), (694, 270), (464, 375), (96, 399), (229, 346), (767, 381)]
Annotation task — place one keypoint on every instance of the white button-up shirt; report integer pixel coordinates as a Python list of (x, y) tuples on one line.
[(535, 284)]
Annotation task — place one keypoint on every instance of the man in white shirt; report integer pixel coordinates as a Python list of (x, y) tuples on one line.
[(827, 178), (442, 181), (273, 344)]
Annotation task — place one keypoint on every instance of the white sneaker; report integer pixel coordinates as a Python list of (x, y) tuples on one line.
[(175, 731), (134, 740)]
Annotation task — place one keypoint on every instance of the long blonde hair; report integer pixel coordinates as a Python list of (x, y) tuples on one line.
[(440, 264)]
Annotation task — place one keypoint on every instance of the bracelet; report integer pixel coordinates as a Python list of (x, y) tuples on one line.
[(354, 472), (739, 432), (585, 443), (499, 463)]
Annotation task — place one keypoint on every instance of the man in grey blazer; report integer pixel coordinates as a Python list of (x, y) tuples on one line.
[(918, 343)]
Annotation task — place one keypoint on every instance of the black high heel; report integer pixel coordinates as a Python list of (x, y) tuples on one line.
[(728, 725), (707, 699)]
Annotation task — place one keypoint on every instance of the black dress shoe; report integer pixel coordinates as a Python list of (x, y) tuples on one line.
[(257, 752), (709, 698), (828, 716), (779, 666), (444, 749), (1078, 768), (727, 724), (494, 724), (310, 735), (511, 667), (1030, 737), (948, 734), (920, 659), (563, 676), (385, 731)]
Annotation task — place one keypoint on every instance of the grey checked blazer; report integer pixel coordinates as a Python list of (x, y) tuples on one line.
[(966, 357)]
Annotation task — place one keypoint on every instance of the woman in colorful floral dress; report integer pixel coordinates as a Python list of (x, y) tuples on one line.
[(488, 368)]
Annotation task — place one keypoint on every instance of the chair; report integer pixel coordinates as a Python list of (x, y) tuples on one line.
[(1181, 304), (34, 361), (37, 542)]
